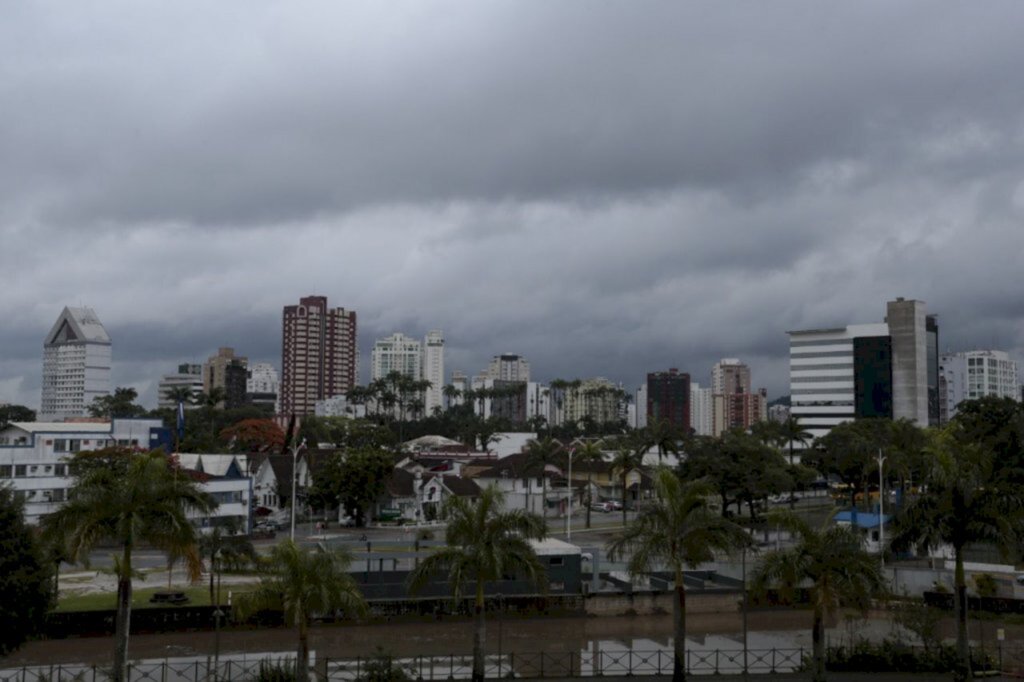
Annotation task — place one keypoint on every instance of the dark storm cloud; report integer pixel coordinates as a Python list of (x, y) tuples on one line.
[(605, 188)]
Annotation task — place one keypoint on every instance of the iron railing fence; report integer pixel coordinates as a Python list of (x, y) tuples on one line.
[(535, 665)]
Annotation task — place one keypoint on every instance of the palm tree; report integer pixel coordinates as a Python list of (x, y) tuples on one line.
[(833, 560), (211, 399), (628, 457), (679, 530), (179, 394), (483, 543), (662, 435), (540, 454), (450, 393), (304, 583), (793, 432), (589, 454), (130, 499), (964, 502)]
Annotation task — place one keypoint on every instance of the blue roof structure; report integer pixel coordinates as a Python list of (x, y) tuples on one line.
[(866, 520)]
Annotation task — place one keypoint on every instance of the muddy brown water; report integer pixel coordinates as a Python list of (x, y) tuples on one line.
[(776, 629)]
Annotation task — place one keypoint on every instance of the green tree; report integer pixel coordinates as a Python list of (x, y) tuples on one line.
[(254, 435), (963, 502), (120, 405), (355, 480), (661, 435), (792, 432), (588, 454), (224, 550), (678, 530), (15, 413), (832, 561), (483, 543), (132, 500), (540, 454), (26, 577), (849, 451), (179, 394), (304, 583), (628, 457)]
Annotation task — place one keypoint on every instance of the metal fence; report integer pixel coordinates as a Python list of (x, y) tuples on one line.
[(446, 667), (459, 667)]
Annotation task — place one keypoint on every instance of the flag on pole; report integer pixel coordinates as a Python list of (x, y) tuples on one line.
[(181, 419)]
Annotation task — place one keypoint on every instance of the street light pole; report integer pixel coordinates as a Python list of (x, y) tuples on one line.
[(295, 476), (881, 507), (568, 516)]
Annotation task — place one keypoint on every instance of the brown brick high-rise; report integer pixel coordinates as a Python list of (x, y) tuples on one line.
[(318, 354)]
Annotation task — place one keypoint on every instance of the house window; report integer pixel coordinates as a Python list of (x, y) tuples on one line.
[(60, 469), (556, 561), (5, 470), (60, 445), (20, 470)]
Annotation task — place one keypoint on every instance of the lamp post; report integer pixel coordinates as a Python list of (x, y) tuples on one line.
[(881, 507), (568, 484), (217, 615), (295, 476)]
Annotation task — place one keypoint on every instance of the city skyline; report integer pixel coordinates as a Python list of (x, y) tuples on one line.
[(638, 190)]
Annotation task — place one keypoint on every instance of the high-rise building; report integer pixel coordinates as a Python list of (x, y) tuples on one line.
[(396, 353), (508, 367), (866, 370), (668, 398), (76, 365), (188, 376), (730, 376), (701, 410), (262, 385), (597, 400), (734, 404), (318, 354), (433, 371), (228, 372), (975, 374)]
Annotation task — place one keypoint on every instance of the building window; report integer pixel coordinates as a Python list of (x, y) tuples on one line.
[(556, 561), (20, 470), (5, 470)]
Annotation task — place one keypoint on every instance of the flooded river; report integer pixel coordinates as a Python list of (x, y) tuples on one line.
[(767, 630)]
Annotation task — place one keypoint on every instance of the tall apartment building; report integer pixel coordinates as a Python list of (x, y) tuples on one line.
[(730, 376), (76, 365), (668, 398), (596, 399), (188, 376), (734, 403), (887, 369), (318, 354), (508, 367), (701, 410), (975, 374), (228, 372), (433, 370), (460, 381), (262, 385), (396, 353)]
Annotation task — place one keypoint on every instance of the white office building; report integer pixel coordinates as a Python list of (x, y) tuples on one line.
[(975, 374), (396, 353), (433, 371), (887, 369), (76, 365), (701, 410), (33, 455), (188, 376)]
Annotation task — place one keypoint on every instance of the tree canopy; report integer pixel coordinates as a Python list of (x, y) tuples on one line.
[(26, 578), (354, 479)]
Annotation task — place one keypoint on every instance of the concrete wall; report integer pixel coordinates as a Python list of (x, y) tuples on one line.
[(654, 603)]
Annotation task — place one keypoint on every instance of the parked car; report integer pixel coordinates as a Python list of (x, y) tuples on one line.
[(616, 504), (605, 507)]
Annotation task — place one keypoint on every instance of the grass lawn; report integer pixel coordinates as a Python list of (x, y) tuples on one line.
[(199, 595)]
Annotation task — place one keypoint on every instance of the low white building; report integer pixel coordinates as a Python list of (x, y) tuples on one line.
[(34, 455), (227, 480)]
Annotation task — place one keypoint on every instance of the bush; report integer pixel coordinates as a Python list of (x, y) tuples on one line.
[(280, 670), (894, 656), (381, 667)]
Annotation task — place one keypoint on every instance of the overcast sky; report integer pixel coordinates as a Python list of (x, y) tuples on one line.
[(606, 188)]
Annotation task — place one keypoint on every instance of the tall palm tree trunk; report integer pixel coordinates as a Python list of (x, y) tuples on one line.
[(589, 494), (302, 655), (679, 630), (124, 605), (818, 644), (624, 499), (960, 603), (479, 632)]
